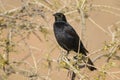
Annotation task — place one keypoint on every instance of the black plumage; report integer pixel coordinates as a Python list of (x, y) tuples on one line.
[(68, 39)]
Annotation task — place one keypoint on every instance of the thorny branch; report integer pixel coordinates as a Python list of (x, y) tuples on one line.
[(19, 23)]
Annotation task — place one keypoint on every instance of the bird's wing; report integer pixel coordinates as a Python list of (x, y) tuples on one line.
[(70, 31), (66, 36), (75, 38)]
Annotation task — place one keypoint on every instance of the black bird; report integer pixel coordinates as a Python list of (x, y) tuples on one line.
[(68, 39)]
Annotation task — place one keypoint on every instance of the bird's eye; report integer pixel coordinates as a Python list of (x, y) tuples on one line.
[(61, 15)]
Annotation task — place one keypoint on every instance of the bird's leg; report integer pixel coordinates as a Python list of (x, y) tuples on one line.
[(63, 54), (66, 55), (70, 73)]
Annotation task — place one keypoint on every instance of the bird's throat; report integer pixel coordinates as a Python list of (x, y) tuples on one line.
[(60, 19)]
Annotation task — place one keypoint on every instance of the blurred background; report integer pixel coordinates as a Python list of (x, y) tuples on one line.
[(29, 51)]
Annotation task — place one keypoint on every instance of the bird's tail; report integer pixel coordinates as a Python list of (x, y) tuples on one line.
[(88, 61), (90, 65)]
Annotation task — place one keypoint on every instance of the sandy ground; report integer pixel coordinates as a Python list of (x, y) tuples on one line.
[(94, 40)]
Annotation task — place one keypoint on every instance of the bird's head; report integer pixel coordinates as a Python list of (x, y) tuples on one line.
[(59, 17)]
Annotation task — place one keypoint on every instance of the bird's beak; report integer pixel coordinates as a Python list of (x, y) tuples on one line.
[(53, 14)]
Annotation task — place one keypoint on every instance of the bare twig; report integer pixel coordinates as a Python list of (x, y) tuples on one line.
[(97, 25)]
